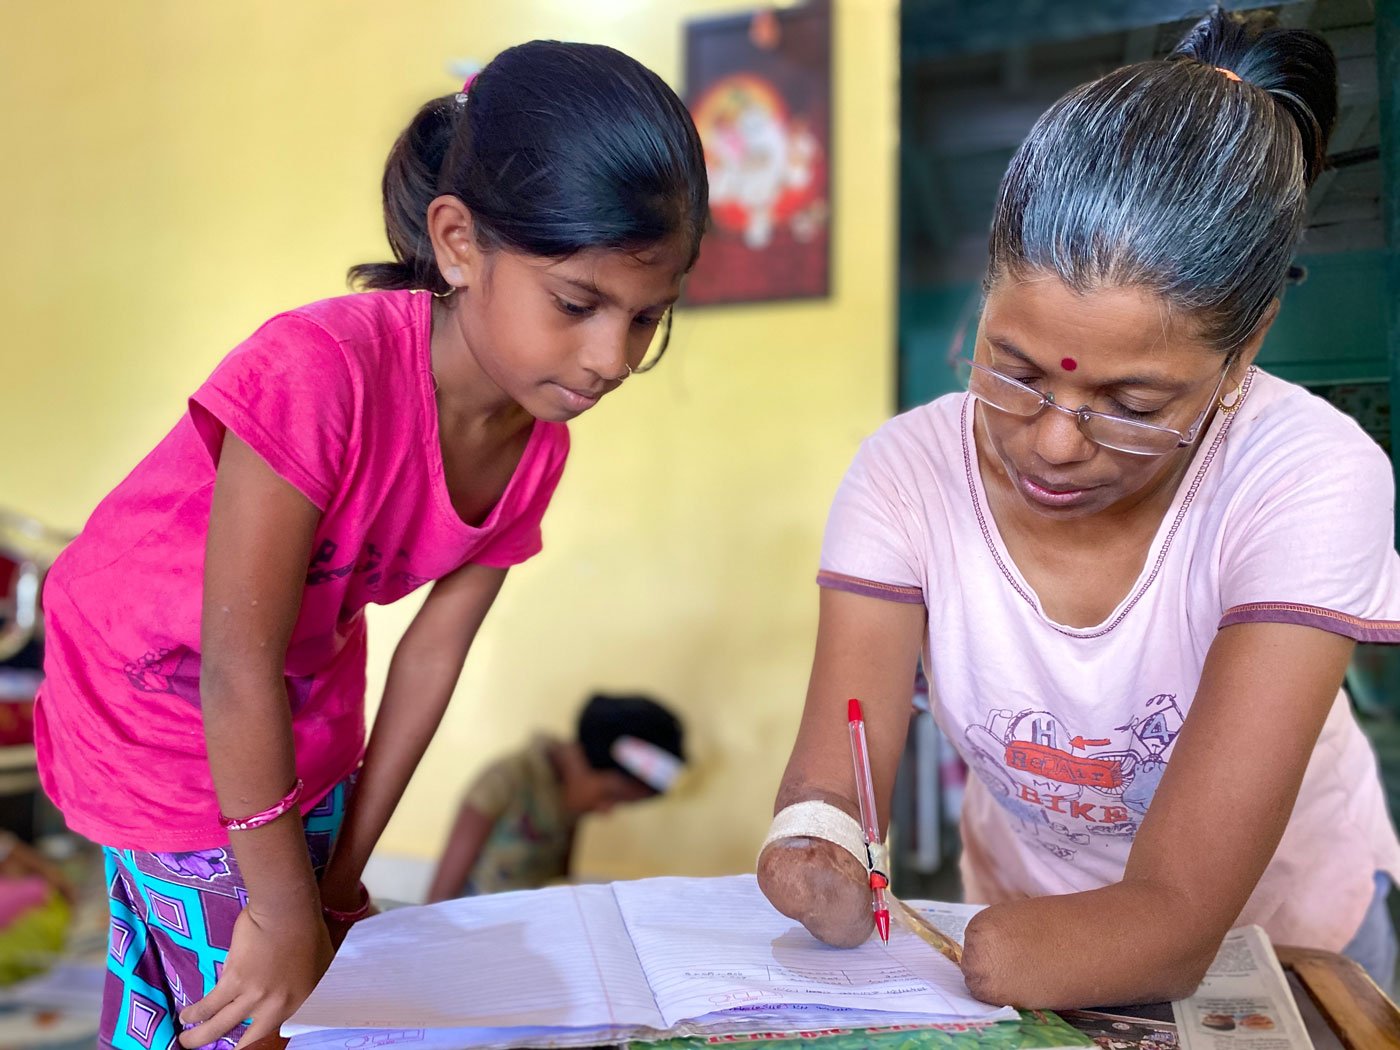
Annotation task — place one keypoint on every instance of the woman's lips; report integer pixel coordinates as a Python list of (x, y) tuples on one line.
[(1049, 494)]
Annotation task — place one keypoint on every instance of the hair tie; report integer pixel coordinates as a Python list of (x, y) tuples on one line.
[(466, 89), (1230, 74)]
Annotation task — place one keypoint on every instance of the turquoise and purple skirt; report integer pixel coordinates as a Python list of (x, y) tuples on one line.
[(172, 921)]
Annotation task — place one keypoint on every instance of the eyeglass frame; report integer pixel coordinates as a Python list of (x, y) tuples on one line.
[(1083, 414)]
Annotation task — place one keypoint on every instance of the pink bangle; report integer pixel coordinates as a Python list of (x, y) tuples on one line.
[(347, 917), (267, 816)]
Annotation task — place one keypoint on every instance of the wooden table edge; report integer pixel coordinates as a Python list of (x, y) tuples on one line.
[(1361, 1015)]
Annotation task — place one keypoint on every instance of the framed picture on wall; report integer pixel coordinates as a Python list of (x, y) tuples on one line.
[(759, 88)]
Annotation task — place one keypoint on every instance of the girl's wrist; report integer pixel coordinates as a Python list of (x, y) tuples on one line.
[(340, 886), (337, 910), (292, 905)]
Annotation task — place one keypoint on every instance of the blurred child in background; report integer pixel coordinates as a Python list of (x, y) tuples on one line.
[(516, 826)]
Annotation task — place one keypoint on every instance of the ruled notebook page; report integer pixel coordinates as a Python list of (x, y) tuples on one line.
[(709, 945), (557, 957)]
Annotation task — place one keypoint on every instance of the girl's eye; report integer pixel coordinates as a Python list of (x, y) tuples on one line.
[(571, 308), (646, 322)]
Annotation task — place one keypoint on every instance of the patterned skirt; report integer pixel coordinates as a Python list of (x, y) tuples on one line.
[(172, 920)]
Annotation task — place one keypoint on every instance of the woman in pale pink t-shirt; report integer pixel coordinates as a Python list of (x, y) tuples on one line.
[(206, 634), (1136, 565)]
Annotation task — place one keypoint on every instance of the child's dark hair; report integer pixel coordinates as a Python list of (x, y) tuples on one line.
[(555, 148), (605, 718), (1172, 177)]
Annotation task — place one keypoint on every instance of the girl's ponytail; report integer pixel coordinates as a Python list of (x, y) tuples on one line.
[(555, 149), (410, 183)]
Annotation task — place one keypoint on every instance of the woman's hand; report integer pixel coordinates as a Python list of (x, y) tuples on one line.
[(1014, 952), (274, 962), (984, 944), (866, 648), (821, 886)]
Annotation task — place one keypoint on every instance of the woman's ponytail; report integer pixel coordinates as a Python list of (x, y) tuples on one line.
[(1295, 66)]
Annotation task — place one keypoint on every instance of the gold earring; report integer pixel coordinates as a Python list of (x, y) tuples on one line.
[(1234, 404), (451, 291)]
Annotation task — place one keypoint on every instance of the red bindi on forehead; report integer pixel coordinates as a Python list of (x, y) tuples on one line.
[(1069, 364)]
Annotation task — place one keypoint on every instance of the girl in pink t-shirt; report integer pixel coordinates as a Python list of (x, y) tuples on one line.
[(1136, 565), (203, 710)]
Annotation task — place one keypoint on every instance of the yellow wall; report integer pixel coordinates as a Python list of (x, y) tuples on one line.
[(177, 172)]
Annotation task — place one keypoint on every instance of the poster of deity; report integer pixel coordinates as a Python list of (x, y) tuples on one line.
[(759, 88)]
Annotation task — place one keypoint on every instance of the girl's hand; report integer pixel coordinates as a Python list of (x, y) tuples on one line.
[(274, 962), (821, 886)]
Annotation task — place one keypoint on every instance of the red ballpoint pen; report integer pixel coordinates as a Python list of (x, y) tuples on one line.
[(869, 824)]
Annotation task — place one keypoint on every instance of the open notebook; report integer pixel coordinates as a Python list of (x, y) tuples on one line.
[(580, 965)]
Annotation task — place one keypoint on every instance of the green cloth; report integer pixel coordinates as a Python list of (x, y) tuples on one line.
[(1038, 1030), (34, 940)]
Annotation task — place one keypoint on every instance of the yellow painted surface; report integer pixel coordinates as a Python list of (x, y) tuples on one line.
[(177, 172)]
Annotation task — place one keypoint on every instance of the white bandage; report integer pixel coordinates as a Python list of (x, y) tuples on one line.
[(814, 819)]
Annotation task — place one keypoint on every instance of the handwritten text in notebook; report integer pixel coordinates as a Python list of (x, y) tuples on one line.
[(645, 955)]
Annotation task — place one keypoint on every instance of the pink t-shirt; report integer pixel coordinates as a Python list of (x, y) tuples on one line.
[(338, 398), (1284, 516)]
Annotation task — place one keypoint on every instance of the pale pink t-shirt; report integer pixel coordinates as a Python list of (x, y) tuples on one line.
[(338, 398), (1285, 516)]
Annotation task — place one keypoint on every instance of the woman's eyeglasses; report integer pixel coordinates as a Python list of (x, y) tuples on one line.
[(1116, 432)]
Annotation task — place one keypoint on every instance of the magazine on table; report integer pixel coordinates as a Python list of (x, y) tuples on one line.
[(1244, 1003)]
